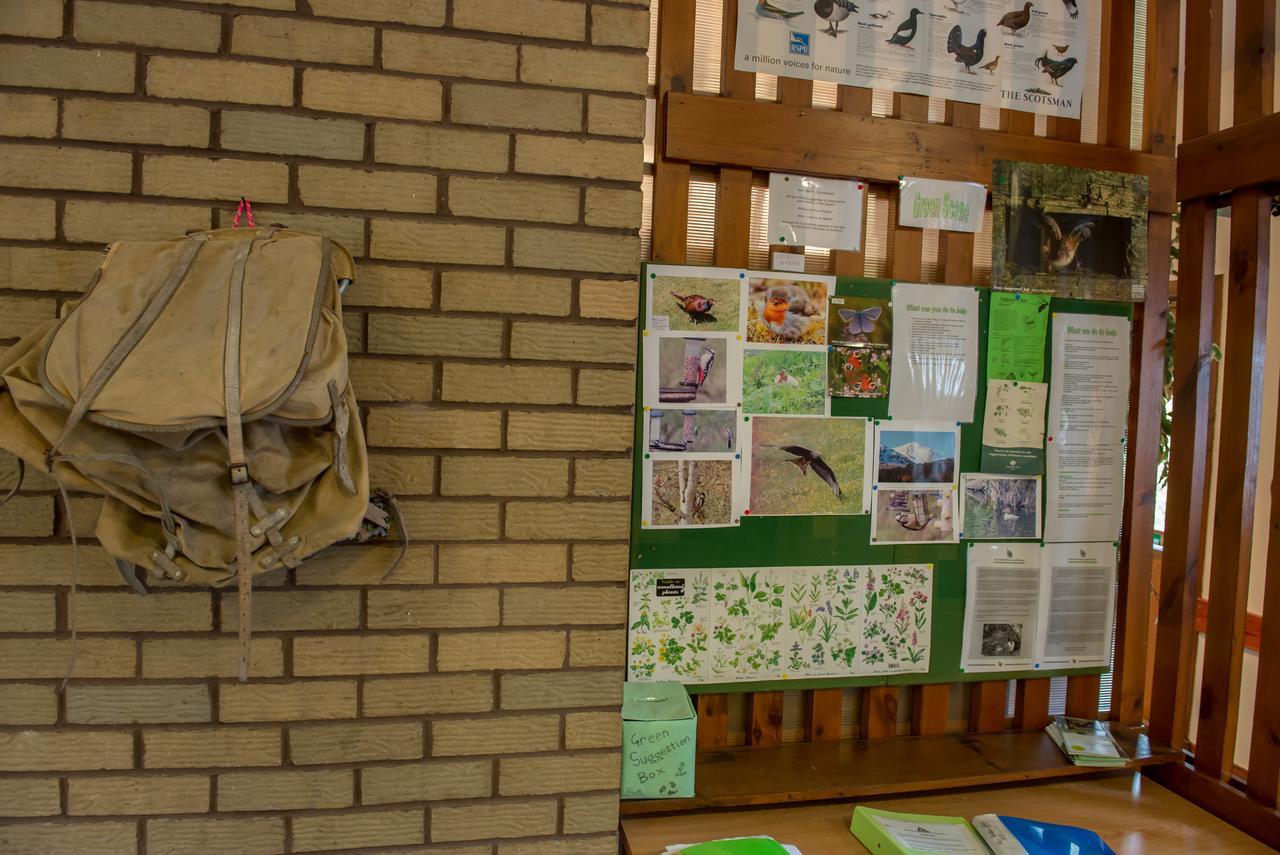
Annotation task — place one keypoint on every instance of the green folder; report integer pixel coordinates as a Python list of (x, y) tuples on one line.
[(738, 846), (891, 833)]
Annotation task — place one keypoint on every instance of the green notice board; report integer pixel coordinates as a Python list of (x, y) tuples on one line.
[(844, 540)]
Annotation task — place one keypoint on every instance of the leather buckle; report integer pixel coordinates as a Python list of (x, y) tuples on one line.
[(240, 474)]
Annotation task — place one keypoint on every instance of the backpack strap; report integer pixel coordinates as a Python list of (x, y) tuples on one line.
[(13, 491)]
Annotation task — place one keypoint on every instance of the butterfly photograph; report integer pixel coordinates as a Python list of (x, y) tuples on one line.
[(860, 320), (858, 372)]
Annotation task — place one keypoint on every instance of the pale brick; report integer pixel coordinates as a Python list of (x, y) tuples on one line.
[(49, 657), (509, 384), (509, 107), (430, 781), (291, 611), (575, 604), (61, 168), (347, 231), (211, 746), (380, 380), (317, 656), (433, 695), (591, 813), (89, 221), (559, 690), (493, 563), (611, 25), (504, 476), (599, 648), (559, 249), (403, 475), (307, 41), (433, 609), (159, 612), (568, 520), (502, 199), (516, 734), (287, 5), (613, 116), (550, 19), (93, 70), (592, 730), (41, 269), (609, 298), (29, 797), (19, 316), (40, 751), (368, 565), (331, 831), (282, 133), (446, 56), (372, 95), (211, 657), (421, 13), (28, 516), (214, 178), (110, 795), (508, 651), (31, 18), (493, 819), (599, 845), (138, 703), (605, 388), (602, 478), (219, 80), (335, 187), (573, 342), (599, 562), (28, 703), (64, 838), (28, 611), (442, 148), (391, 287), (287, 701), (354, 742), (285, 790), (26, 218), (568, 431), (125, 24), (252, 836), (508, 293), (540, 155), (618, 209), (456, 243), (31, 115), (421, 427), (435, 335), (452, 520), (584, 69)]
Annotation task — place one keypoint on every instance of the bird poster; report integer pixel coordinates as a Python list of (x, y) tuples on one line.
[(693, 299), (788, 311), (691, 371), (935, 352), (1001, 607), (685, 432), (913, 515), (1000, 507), (1028, 55), (799, 466), (688, 493), (789, 382), (1069, 232)]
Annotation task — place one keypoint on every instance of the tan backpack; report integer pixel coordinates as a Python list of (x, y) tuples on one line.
[(201, 387)]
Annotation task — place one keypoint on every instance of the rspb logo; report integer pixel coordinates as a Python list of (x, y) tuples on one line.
[(799, 43)]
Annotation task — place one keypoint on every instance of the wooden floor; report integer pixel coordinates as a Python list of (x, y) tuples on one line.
[(1133, 814)]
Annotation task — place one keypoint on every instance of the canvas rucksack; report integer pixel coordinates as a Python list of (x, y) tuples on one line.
[(200, 385)]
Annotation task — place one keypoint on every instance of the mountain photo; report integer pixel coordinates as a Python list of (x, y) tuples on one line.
[(915, 456)]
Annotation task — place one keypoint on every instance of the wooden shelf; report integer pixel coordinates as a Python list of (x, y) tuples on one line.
[(858, 768)]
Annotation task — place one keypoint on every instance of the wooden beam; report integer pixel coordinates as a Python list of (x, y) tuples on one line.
[(1264, 751), (1252, 620), (713, 722), (766, 719), (671, 177), (1237, 478), (733, 192), (1255, 59), (1031, 706), (879, 712), (1082, 695), (1160, 95), (856, 101), (929, 709), (823, 715), (1115, 73), (1202, 98), (712, 130), (1245, 155), (987, 703), (1221, 799), (1188, 477)]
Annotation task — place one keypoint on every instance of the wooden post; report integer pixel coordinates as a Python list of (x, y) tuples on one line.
[(766, 720), (1031, 706), (879, 712), (988, 701), (671, 178), (929, 709), (713, 722), (822, 718), (733, 195), (1264, 749)]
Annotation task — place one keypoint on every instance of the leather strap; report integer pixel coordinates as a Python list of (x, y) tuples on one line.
[(22, 474), (341, 424)]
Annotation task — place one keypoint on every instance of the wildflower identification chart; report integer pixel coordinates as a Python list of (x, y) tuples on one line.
[(760, 484)]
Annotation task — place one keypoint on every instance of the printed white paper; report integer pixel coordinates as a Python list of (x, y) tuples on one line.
[(935, 352), (1014, 414), (928, 203), (809, 211), (1002, 605), (1077, 604), (1089, 390), (936, 838), (1085, 487)]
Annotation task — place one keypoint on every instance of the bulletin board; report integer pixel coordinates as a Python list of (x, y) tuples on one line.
[(787, 541)]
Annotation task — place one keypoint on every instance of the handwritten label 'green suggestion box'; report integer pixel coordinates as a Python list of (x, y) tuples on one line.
[(659, 738)]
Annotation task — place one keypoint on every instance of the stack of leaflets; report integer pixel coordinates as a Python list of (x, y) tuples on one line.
[(883, 831), (1086, 742)]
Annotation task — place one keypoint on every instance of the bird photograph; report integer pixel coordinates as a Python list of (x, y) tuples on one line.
[(990, 67), (1059, 248), (1055, 68), (1017, 19), (785, 311), (765, 9), (693, 303), (692, 370), (906, 31), (696, 306), (833, 12), (784, 382), (912, 516), (1001, 507), (695, 431), (806, 466), (966, 55), (1073, 8), (691, 493)]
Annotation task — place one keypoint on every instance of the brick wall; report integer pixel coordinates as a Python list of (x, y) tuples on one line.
[(481, 159)]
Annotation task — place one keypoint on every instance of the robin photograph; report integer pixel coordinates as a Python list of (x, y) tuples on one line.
[(787, 311)]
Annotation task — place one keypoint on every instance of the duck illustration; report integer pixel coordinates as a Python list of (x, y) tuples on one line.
[(833, 12), (1055, 68), (906, 31), (1016, 20), (1058, 252), (1072, 8), (990, 67), (806, 459), (696, 306), (765, 9), (966, 55)]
